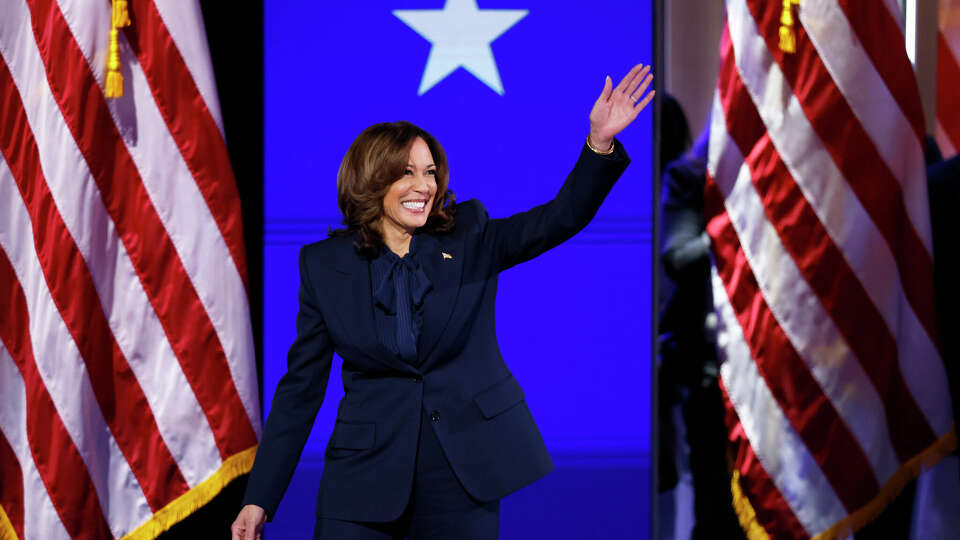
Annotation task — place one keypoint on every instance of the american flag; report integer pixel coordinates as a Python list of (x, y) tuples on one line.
[(816, 204), (948, 78), (129, 393)]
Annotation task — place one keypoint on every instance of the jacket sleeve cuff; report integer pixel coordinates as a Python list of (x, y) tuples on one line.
[(267, 508), (619, 153)]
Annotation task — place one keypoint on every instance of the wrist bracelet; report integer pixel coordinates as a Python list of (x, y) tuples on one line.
[(594, 148)]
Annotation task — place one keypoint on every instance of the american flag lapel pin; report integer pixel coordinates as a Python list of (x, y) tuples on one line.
[(446, 255)]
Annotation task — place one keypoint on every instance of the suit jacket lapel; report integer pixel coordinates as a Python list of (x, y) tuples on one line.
[(442, 261), (354, 307)]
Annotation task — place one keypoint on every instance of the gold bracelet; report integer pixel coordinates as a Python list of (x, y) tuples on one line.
[(594, 148)]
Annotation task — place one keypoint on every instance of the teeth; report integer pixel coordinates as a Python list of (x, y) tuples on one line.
[(414, 205)]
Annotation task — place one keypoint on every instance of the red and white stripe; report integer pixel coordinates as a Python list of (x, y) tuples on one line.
[(818, 214), (123, 268), (28, 506), (948, 78)]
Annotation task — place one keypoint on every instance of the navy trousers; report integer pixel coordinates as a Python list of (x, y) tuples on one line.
[(439, 507)]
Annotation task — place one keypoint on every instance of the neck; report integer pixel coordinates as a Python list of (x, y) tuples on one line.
[(397, 239)]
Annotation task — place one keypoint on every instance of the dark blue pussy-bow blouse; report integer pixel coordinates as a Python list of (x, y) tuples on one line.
[(399, 286)]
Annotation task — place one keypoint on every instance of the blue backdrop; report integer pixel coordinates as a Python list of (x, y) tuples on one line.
[(574, 324)]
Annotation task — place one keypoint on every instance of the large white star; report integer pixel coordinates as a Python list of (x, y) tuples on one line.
[(461, 35)]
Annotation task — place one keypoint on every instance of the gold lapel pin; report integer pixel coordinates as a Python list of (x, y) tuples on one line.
[(446, 255)]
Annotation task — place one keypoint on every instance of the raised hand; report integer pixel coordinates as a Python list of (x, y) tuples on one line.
[(617, 107)]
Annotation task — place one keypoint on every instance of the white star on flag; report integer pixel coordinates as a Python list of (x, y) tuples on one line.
[(461, 35)]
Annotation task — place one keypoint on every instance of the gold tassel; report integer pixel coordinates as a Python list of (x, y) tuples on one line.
[(119, 18), (788, 40), (788, 37)]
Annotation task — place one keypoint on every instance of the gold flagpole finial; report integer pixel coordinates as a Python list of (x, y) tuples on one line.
[(119, 18)]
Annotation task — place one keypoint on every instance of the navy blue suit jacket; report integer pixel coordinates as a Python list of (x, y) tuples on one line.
[(478, 409)]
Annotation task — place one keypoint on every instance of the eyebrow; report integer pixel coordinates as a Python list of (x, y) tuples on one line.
[(412, 166)]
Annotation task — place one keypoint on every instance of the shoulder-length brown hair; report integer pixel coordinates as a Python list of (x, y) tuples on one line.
[(375, 160)]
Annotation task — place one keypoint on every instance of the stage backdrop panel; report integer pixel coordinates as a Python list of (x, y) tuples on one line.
[(574, 324)]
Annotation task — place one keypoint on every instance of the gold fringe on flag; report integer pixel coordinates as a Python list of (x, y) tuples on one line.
[(6, 528), (191, 501), (118, 19), (745, 512), (923, 461)]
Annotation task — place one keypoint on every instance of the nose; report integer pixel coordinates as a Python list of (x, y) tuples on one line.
[(423, 183)]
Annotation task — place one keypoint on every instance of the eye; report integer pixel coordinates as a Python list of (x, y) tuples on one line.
[(432, 171), (408, 171)]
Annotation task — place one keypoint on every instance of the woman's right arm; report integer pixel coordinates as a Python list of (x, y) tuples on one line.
[(526, 235), (295, 404)]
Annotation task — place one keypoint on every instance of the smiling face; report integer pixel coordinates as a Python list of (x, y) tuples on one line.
[(407, 203)]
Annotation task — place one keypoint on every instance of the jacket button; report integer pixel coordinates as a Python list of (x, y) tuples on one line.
[(435, 416), (417, 378)]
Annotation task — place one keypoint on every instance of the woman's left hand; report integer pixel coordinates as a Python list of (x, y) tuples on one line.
[(617, 107)]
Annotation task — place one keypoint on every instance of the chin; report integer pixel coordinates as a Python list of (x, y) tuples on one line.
[(417, 224), (416, 221)]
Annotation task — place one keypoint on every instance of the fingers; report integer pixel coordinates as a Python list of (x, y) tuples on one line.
[(643, 103), (241, 531), (640, 82), (244, 528), (639, 91), (605, 93), (628, 79)]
